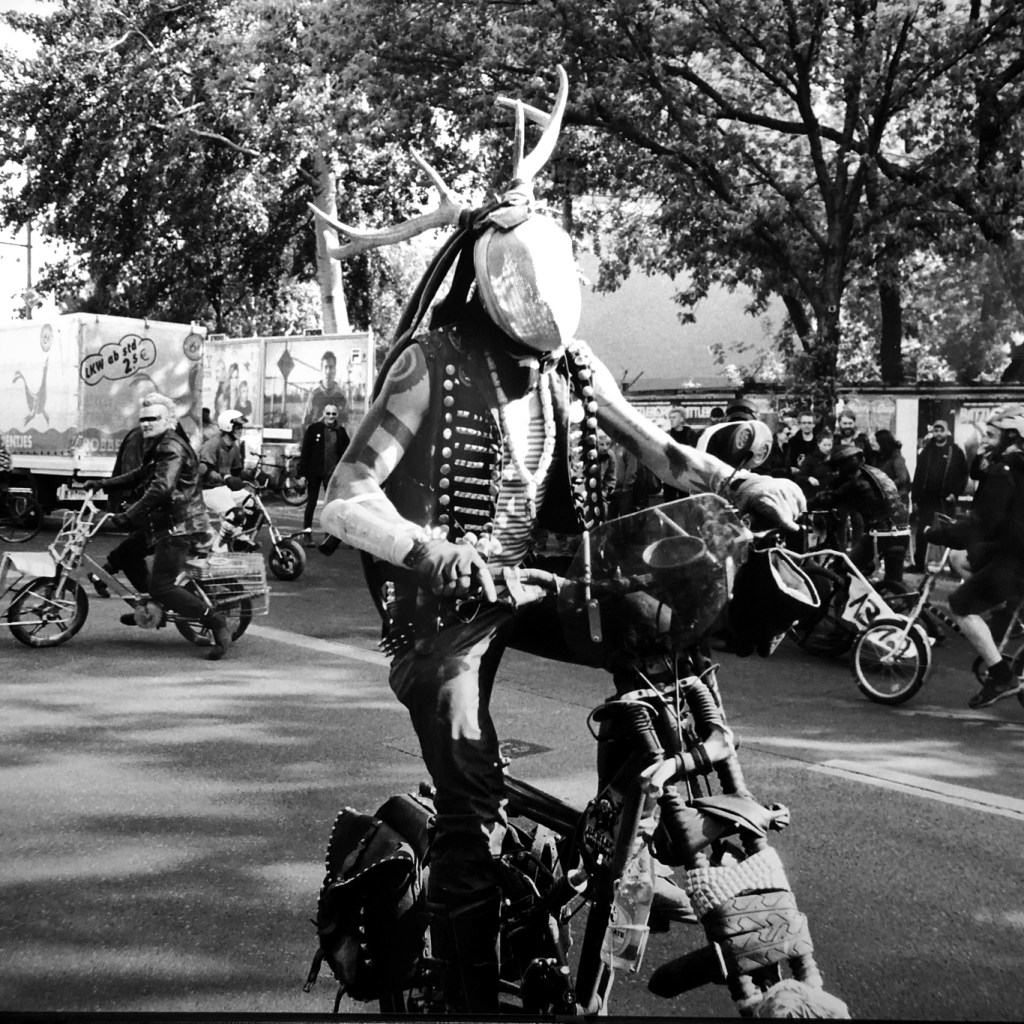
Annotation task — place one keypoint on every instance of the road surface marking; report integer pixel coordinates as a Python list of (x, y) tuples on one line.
[(916, 785), (312, 643)]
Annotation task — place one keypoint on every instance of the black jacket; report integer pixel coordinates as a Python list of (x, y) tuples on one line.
[(172, 501), (871, 493), (311, 455), (939, 472)]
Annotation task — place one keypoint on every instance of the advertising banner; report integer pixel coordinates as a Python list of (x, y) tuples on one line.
[(231, 378), (303, 374), (39, 386), (72, 385)]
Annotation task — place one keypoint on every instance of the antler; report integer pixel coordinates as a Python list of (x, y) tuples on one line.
[(446, 214), (526, 167)]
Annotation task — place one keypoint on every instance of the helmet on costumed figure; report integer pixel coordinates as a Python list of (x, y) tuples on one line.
[(518, 261)]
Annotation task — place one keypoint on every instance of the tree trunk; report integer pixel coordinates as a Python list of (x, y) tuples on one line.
[(890, 304), (328, 271)]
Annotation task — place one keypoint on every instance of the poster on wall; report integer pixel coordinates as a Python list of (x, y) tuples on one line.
[(872, 412), (305, 374), (231, 378)]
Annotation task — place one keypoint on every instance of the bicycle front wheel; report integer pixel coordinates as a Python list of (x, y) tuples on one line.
[(21, 518), (888, 666), (47, 612), (823, 631), (237, 610)]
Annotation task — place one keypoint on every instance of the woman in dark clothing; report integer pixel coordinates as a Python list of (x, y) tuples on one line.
[(889, 459), (813, 473)]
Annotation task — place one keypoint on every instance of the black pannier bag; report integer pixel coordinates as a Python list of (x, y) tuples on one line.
[(370, 916)]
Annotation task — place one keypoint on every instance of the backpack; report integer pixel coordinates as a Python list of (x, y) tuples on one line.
[(370, 917), (890, 511)]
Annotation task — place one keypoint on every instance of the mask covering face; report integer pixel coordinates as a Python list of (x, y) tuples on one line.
[(527, 281)]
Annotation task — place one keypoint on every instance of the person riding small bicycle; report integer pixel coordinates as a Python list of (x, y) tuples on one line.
[(222, 458), (858, 487), (169, 515), (992, 536)]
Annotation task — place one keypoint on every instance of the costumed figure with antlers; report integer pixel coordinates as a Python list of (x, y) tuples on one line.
[(483, 430)]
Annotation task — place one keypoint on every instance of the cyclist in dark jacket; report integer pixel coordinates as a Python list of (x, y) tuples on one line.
[(169, 515), (994, 540), (858, 487)]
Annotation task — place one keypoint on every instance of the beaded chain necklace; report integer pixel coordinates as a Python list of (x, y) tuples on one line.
[(530, 480)]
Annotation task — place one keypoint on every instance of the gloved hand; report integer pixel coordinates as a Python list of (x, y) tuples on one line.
[(778, 500), (90, 485), (451, 570), (121, 522)]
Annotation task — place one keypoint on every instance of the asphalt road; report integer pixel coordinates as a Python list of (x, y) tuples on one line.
[(165, 817)]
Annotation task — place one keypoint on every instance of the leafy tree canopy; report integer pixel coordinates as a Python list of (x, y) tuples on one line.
[(858, 158)]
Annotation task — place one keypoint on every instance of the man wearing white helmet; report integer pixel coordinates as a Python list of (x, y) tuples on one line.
[(483, 432), (994, 542), (221, 458)]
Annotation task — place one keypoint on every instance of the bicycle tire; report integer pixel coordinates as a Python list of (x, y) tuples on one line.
[(293, 493), (883, 673), (21, 518), (287, 560), (823, 631), (36, 601), (238, 615)]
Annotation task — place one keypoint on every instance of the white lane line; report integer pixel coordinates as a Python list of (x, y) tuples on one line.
[(312, 643), (915, 785)]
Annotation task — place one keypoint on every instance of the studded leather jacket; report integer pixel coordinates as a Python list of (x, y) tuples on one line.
[(449, 476), (172, 501)]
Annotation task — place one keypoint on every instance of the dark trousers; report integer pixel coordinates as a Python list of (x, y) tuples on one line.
[(313, 485), (169, 556), (892, 550), (129, 557), (925, 514), (447, 691)]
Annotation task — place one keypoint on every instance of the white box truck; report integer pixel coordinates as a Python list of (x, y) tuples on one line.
[(70, 388)]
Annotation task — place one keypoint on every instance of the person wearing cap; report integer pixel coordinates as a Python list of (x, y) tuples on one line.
[(222, 457), (322, 447), (740, 409), (993, 537), (859, 488), (168, 517), (940, 477)]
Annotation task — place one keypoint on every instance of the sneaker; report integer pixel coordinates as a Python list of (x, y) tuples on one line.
[(128, 619), (991, 692), (102, 590), (218, 626)]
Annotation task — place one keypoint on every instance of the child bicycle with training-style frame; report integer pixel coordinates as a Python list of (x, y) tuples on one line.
[(850, 600)]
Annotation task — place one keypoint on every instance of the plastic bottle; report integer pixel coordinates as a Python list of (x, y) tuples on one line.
[(626, 938)]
